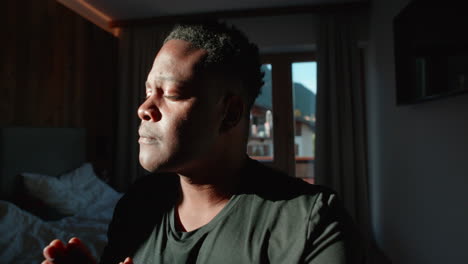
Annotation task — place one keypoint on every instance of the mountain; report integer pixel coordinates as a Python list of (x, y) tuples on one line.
[(304, 99)]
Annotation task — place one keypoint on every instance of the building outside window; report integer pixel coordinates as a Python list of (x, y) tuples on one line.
[(302, 80)]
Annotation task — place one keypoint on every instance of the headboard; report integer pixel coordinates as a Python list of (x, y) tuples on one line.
[(49, 151)]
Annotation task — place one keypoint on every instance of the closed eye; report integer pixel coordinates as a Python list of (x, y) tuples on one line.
[(173, 97)]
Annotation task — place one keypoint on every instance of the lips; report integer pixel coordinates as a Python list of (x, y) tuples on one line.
[(147, 140), (146, 137)]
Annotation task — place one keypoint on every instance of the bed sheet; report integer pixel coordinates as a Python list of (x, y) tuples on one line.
[(24, 235)]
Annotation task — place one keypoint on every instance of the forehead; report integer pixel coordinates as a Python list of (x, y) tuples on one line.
[(176, 61)]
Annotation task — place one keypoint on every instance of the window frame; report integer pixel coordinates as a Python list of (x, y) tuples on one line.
[(282, 107)]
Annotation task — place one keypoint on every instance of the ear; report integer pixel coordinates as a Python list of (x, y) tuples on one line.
[(233, 112)]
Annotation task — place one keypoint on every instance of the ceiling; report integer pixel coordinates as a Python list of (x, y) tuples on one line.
[(136, 9), (110, 15)]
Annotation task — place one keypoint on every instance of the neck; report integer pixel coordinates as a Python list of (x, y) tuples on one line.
[(205, 193), (211, 184), (207, 184)]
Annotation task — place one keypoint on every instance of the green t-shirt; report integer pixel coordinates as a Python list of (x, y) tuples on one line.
[(250, 229), (273, 218)]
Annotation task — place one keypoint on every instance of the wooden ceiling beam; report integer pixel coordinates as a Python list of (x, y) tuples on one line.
[(90, 13)]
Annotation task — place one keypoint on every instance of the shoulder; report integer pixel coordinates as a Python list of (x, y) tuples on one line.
[(307, 221), (307, 216), (316, 201), (276, 185), (281, 196)]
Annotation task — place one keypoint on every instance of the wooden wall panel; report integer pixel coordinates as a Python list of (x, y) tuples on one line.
[(58, 70)]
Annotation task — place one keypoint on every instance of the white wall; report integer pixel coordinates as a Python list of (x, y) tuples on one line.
[(289, 33), (418, 161), (284, 33)]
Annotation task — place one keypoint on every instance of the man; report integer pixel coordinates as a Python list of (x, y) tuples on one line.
[(208, 202)]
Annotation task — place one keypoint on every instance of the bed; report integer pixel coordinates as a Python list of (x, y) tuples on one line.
[(48, 190)]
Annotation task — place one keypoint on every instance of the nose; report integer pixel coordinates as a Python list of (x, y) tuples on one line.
[(148, 111)]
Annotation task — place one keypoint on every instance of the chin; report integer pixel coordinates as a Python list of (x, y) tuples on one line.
[(150, 161), (155, 162), (147, 165), (167, 159)]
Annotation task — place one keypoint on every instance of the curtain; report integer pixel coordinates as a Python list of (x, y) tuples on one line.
[(341, 148), (341, 161), (137, 50)]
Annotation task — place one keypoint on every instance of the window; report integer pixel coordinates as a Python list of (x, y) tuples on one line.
[(260, 144), (282, 131), (304, 85)]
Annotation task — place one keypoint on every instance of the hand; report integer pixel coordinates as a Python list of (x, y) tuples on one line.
[(127, 261), (75, 252)]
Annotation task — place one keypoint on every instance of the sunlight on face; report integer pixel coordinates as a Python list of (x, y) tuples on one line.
[(181, 115)]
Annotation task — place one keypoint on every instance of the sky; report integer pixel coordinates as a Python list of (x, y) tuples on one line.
[(306, 74)]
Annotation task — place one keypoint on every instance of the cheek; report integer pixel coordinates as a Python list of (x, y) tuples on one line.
[(175, 127), (203, 121), (191, 126)]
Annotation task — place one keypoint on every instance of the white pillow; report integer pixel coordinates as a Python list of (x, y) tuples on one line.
[(84, 183), (70, 192), (52, 192)]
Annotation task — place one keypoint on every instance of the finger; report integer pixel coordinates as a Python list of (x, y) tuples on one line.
[(75, 244), (78, 251), (74, 239), (128, 260), (58, 244), (54, 250)]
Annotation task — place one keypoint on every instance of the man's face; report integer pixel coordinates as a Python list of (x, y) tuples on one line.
[(182, 113)]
